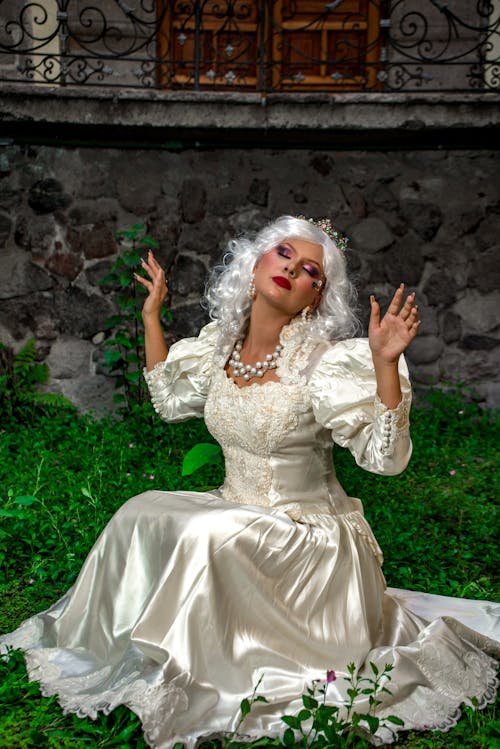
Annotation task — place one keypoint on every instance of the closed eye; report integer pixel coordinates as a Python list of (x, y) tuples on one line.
[(312, 270), (283, 251)]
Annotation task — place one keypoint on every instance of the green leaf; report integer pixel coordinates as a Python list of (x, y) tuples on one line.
[(131, 259), (374, 668), (111, 357), (303, 715), (19, 514), (125, 279), (245, 707), (133, 377), (123, 338), (132, 358), (394, 719), (309, 702), (200, 455), (373, 722), (113, 321), (261, 698), (26, 500), (86, 492), (149, 242), (292, 721), (109, 278)]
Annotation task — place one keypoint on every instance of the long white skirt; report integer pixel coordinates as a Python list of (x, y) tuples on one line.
[(186, 601)]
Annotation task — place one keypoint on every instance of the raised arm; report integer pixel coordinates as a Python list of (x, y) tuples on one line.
[(388, 338), (156, 286)]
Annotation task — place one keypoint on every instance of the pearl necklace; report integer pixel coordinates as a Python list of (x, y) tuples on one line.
[(249, 371)]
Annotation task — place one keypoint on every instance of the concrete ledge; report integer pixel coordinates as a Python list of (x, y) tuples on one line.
[(152, 118), (235, 110)]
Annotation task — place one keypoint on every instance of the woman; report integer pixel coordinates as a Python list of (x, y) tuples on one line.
[(188, 599)]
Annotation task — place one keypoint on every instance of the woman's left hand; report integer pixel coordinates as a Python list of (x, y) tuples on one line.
[(389, 337)]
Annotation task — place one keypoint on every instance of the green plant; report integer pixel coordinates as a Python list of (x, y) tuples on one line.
[(20, 378), (124, 354), (319, 724)]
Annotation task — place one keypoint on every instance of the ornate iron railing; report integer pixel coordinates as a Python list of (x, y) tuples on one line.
[(264, 46)]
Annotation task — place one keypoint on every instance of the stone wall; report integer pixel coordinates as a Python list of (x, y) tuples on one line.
[(428, 218)]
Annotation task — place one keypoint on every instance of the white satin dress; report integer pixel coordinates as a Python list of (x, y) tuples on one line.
[(187, 599)]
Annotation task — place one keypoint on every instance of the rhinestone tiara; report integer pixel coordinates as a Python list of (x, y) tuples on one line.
[(326, 225)]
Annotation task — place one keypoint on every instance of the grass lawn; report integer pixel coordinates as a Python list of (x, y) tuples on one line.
[(63, 476)]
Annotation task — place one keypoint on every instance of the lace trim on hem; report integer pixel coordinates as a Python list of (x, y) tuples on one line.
[(147, 701), (443, 712)]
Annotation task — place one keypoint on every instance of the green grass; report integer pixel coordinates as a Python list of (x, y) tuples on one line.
[(63, 476)]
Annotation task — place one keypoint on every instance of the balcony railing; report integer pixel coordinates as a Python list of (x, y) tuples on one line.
[(264, 46)]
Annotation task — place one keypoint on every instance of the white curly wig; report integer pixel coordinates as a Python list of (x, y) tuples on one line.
[(227, 288)]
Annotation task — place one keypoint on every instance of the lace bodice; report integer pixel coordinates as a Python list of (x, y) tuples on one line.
[(276, 437)]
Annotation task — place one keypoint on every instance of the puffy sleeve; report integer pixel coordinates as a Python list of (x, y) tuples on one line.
[(344, 400), (179, 385)]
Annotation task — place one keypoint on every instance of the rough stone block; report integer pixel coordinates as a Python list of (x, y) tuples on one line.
[(102, 211), (205, 238), (193, 198), (258, 192), (322, 164), (93, 241), (35, 233), (45, 329), (424, 218), (356, 202), (440, 289), (488, 232), (485, 271), (425, 349), (69, 357), (479, 313), (47, 195), (371, 235), (19, 276), (404, 261), (476, 342), (65, 264), (451, 327), (5, 228), (187, 277), (187, 321), (89, 393), (80, 314), (380, 195)]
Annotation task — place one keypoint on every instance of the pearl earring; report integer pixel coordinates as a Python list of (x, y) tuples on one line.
[(251, 288)]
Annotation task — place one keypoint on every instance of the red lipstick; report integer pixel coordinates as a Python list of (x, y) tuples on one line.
[(283, 282)]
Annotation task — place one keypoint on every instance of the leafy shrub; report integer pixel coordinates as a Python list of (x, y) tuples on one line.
[(124, 354), (21, 375)]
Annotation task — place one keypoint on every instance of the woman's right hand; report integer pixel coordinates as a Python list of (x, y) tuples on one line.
[(156, 286)]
